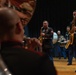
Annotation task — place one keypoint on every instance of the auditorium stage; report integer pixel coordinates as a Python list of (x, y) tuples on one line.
[(64, 69)]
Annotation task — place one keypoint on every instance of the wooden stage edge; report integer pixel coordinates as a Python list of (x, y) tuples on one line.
[(64, 69)]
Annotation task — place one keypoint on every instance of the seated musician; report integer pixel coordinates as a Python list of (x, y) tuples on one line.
[(47, 35)]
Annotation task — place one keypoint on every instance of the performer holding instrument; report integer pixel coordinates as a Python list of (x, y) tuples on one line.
[(47, 35), (71, 44), (72, 30), (67, 36), (61, 44)]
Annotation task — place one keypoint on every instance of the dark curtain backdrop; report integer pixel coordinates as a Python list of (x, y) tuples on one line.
[(57, 12)]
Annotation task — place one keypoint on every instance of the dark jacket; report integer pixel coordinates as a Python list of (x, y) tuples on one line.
[(47, 32), (25, 62)]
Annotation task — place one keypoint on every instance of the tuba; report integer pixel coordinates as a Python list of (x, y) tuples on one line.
[(24, 8)]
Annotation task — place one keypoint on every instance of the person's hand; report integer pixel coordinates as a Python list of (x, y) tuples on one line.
[(42, 34), (33, 43)]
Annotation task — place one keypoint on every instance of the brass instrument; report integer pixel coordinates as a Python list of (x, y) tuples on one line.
[(24, 8), (67, 45), (31, 43), (40, 39), (70, 41)]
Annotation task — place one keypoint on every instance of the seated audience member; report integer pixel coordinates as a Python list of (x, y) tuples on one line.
[(20, 61)]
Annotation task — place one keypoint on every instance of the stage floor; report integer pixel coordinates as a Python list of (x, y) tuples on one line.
[(64, 69)]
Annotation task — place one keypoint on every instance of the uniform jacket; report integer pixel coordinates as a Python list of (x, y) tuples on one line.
[(25, 62)]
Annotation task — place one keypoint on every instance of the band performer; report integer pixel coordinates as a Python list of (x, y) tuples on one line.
[(47, 34), (72, 46)]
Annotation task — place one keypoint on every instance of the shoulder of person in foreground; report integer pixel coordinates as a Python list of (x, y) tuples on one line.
[(30, 61), (46, 66)]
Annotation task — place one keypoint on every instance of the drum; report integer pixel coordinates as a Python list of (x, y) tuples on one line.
[(62, 44), (54, 41), (55, 37)]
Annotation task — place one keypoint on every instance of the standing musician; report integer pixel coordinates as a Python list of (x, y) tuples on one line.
[(72, 28), (71, 45), (67, 36), (47, 34), (61, 43), (67, 33)]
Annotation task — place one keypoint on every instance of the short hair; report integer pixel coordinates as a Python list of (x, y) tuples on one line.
[(68, 26), (8, 19), (58, 31), (45, 21)]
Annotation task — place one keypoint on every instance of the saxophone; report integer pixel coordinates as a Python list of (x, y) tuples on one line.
[(40, 39), (70, 41)]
